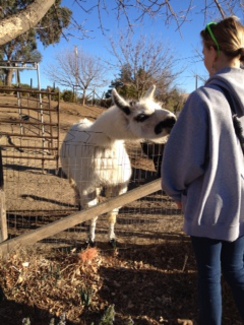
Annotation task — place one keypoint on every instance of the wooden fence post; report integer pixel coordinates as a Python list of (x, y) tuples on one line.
[(3, 218)]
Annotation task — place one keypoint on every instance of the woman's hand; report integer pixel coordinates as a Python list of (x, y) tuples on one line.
[(179, 205)]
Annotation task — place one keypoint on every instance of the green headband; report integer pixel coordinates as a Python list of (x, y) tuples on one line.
[(208, 28)]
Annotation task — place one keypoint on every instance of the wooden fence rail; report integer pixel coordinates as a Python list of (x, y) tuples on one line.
[(58, 226)]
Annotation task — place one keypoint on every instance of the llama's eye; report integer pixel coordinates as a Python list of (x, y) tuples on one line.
[(141, 117), (132, 103)]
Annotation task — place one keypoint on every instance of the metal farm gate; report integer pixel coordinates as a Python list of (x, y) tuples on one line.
[(29, 125), (40, 203), (29, 138)]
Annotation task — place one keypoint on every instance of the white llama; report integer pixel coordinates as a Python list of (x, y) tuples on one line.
[(93, 154)]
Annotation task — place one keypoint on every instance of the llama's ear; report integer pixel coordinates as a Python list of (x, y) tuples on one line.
[(120, 102), (150, 92)]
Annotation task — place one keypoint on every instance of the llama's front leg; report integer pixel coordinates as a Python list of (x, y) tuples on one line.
[(112, 216), (88, 201), (92, 232), (93, 223)]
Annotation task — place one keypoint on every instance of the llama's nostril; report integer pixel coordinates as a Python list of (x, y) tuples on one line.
[(167, 124)]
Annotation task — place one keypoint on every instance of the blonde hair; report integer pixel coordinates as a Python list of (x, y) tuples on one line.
[(229, 34)]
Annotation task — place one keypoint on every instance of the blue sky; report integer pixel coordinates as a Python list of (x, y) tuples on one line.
[(184, 45)]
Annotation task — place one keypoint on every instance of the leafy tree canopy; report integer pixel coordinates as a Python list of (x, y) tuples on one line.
[(24, 47)]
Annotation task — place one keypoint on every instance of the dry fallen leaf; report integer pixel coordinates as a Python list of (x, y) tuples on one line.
[(88, 255)]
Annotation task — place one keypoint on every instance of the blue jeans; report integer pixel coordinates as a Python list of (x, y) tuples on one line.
[(214, 258)]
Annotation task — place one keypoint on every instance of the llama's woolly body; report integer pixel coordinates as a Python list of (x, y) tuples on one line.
[(92, 159)]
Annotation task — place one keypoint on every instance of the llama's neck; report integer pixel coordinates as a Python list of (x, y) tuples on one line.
[(112, 123)]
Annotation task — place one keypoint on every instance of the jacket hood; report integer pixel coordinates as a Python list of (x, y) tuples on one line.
[(233, 81)]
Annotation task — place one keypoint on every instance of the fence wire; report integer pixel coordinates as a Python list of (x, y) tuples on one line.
[(36, 197)]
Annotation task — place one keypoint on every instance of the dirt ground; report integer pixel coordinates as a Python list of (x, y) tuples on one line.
[(148, 278)]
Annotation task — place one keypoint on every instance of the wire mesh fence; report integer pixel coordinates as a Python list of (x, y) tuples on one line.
[(36, 197)]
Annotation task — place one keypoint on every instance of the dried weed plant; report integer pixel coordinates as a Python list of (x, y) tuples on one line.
[(67, 283)]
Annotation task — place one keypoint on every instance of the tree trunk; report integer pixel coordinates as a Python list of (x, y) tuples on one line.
[(20, 23), (9, 77), (84, 97)]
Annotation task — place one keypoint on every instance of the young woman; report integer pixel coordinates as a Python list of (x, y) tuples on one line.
[(203, 169)]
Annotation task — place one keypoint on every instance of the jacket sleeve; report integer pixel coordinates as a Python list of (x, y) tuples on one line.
[(185, 153)]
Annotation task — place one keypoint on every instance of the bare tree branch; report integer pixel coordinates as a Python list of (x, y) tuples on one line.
[(220, 8), (167, 9)]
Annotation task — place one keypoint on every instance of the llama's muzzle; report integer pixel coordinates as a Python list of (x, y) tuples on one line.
[(166, 125)]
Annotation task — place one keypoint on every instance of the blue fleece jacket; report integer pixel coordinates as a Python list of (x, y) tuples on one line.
[(203, 165)]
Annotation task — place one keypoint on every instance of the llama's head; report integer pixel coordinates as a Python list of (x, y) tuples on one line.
[(145, 118)]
